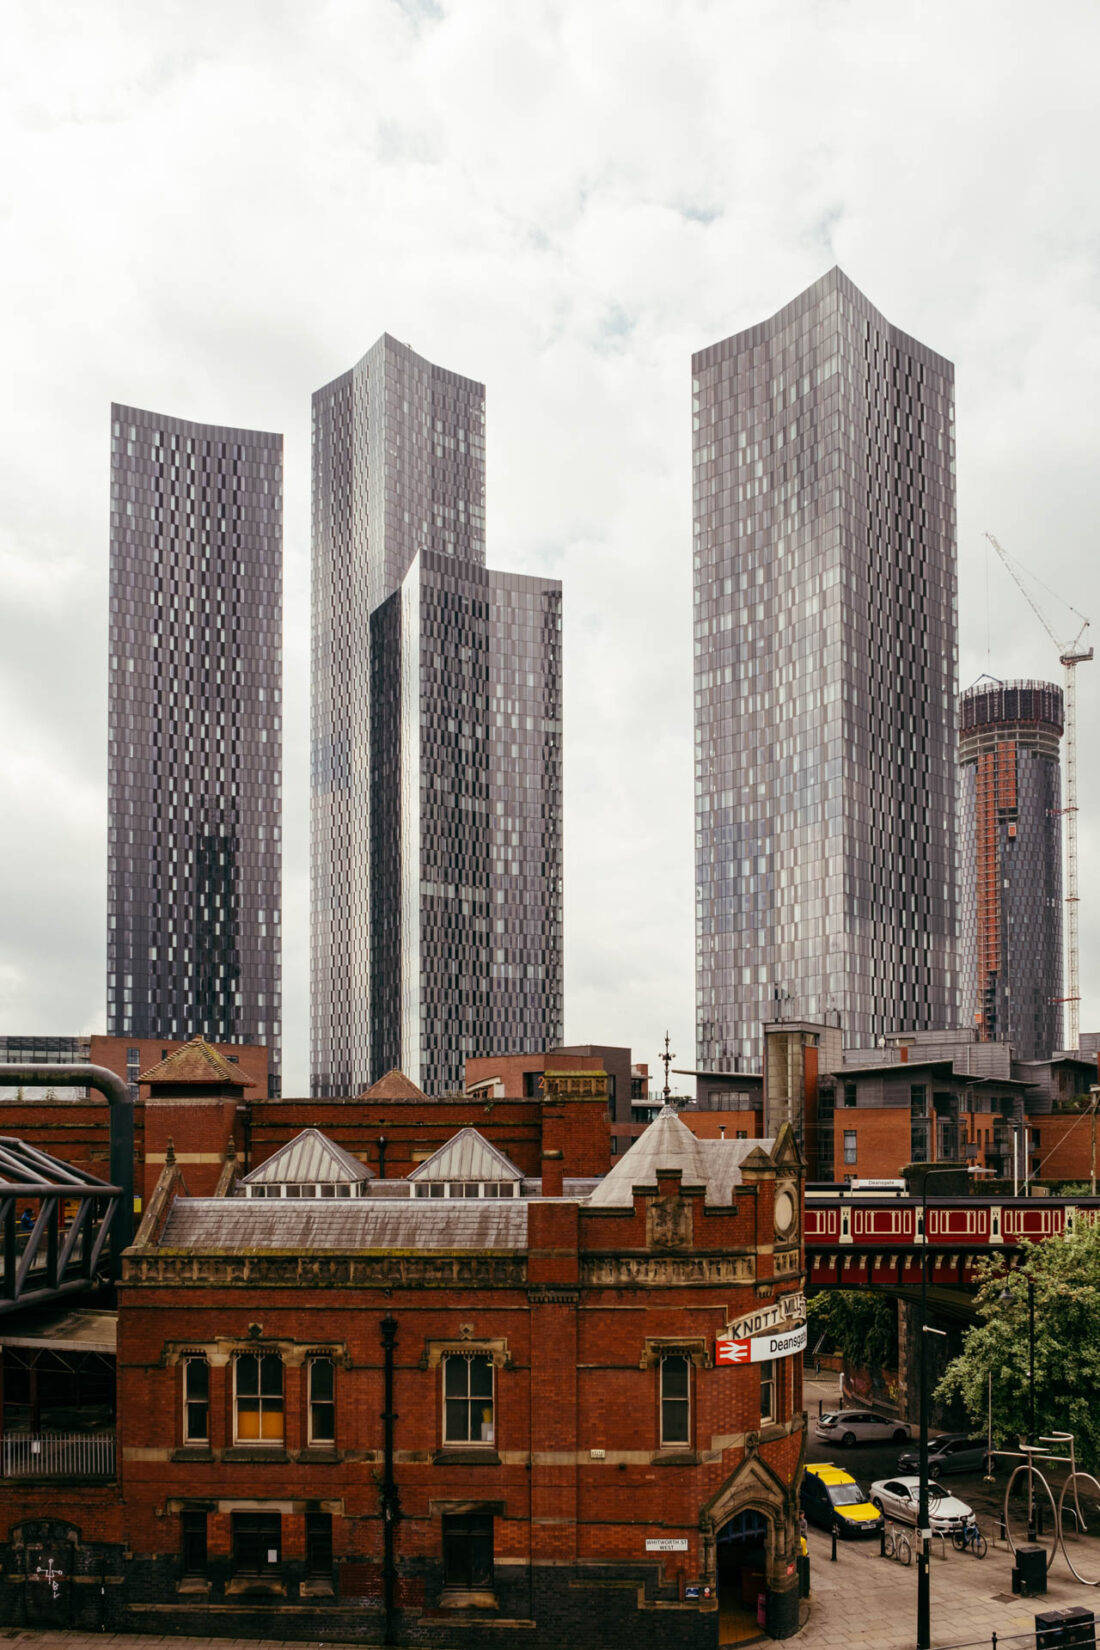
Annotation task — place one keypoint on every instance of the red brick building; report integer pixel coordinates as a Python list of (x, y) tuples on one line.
[(629, 1106), (560, 1131), (441, 1405)]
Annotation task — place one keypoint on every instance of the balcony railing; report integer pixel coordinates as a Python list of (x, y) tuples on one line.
[(57, 1455)]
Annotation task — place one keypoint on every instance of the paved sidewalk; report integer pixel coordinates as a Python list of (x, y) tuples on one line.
[(864, 1602)]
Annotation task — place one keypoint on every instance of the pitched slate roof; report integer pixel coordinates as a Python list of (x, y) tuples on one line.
[(216, 1224), (394, 1086), (195, 1062), (311, 1158), (467, 1156), (669, 1144)]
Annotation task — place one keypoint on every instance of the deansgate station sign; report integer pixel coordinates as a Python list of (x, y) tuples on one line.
[(787, 1309), (761, 1348)]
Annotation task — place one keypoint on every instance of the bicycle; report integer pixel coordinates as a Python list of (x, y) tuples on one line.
[(969, 1538), (1075, 1528), (1077, 1532), (896, 1545), (1028, 1473)]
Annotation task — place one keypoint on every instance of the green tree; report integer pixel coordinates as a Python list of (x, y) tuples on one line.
[(862, 1326), (1065, 1272)]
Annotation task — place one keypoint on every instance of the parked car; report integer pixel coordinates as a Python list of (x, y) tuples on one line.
[(953, 1452), (859, 1426), (832, 1498), (900, 1498)]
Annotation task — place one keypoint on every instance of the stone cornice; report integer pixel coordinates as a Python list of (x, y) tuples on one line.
[(289, 1270)]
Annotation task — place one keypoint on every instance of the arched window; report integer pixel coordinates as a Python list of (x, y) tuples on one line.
[(258, 1398), (196, 1400), (675, 1400), (322, 1401)]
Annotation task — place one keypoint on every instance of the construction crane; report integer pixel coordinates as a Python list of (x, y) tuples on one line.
[(1070, 654)]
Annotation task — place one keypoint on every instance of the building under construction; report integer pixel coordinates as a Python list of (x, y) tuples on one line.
[(1011, 844)]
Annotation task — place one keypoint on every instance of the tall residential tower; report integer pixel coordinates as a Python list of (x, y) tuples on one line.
[(1011, 896), (195, 742), (825, 666), (436, 781)]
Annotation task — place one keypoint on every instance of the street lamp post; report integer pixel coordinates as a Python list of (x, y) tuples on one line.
[(924, 1558), (1008, 1295)]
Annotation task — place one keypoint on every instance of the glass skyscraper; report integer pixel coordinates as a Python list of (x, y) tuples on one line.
[(436, 734), (825, 677), (194, 893), (1010, 822)]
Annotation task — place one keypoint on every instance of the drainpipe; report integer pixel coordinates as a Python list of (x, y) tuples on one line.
[(244, 1112), (121, 1112), (381, 1144), (391, 1504)]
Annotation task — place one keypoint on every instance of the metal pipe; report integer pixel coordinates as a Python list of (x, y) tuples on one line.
[(391, 1506), (121, 1113)]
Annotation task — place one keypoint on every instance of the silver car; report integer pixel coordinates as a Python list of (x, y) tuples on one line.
[(859, 1426), (899, 1498)]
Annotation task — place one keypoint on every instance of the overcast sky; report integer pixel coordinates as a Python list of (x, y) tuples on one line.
[(211, 207)]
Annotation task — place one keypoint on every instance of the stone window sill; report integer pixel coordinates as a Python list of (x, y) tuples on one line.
[(458, 1598), (255, 1584), (674, 1458), (193, 1452), (242, 1452), (193, 1584), (317, 1587), (459, 1457)]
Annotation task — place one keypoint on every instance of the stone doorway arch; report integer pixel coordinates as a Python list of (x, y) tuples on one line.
[(755, 1498)]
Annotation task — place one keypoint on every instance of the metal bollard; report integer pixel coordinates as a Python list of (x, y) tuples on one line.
[(882, 1540), (832, 1555)]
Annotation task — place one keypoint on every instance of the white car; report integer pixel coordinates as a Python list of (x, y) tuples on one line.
[(858, 1426), (899, 1498)]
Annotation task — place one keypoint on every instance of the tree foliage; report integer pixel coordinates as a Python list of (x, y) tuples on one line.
[(1065, 1272), (863, 1327)]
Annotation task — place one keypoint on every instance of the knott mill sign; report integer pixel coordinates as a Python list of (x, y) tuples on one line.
[(787, 1309)]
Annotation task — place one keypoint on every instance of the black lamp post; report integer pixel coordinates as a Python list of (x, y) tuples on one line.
[(924, 1557), (1008, 1295)]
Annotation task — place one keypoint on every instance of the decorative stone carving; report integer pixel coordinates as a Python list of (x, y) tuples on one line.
[(668, 1224)]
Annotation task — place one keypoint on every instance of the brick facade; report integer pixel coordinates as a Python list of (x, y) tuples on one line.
[(570, 1477), (559, 1121)]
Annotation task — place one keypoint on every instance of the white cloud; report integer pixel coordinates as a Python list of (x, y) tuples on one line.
[(211, 209)]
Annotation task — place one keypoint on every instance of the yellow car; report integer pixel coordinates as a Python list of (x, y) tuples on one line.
[(832, 1498)]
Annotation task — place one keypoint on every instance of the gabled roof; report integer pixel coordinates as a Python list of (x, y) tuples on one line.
[(310, 1159), (669, 1144), (467, 1156), (196, 1062), (394, 1086), (354, 1225)]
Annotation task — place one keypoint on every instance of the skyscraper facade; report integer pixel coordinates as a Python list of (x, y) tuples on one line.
[(195, 733), (1010, 823), (436, 731), (825, 667)]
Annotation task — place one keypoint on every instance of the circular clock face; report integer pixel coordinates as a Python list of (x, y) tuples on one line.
[(784, 1211)]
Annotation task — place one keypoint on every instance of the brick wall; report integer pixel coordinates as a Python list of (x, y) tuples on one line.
[(575, 1475)]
